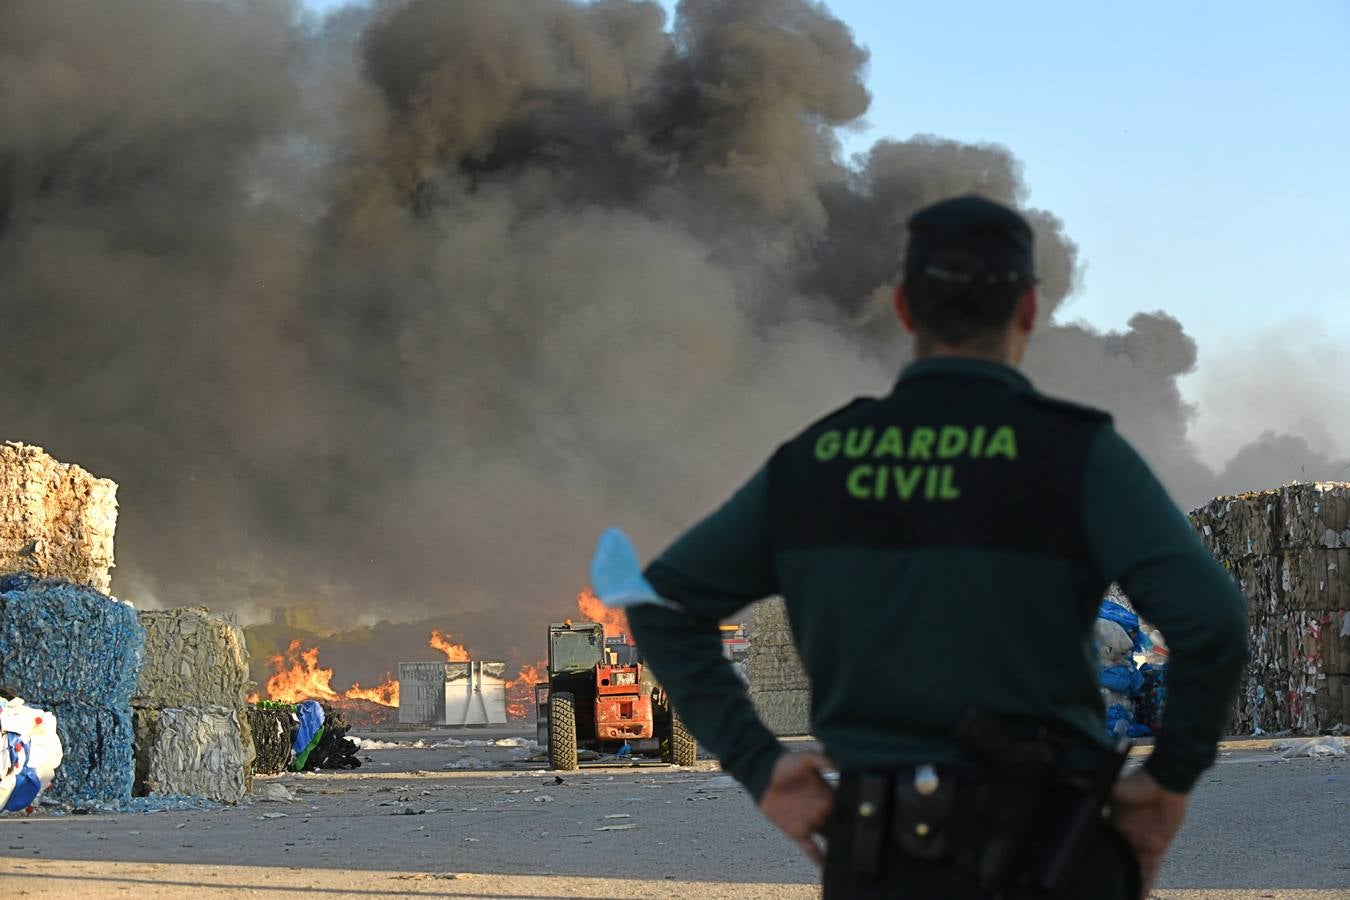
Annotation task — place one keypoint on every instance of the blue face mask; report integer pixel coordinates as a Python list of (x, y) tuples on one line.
[(616, 574)]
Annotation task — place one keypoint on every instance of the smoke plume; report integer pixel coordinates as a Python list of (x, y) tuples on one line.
[(387, 314)]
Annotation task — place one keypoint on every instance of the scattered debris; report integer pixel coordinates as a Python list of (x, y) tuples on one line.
[(370, 744), (543, 798), (467, 762), (273, 815), (272, 792), (1326, 747)]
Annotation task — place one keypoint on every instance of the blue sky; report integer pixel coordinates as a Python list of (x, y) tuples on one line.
[(1198, 153)]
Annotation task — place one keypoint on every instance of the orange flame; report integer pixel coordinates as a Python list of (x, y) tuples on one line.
[(385, 693), (615, 622), (298, 676), (520, 690), (453, 652)]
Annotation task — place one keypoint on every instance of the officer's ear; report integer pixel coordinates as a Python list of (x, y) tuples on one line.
[(902, 308), (1026, 311)]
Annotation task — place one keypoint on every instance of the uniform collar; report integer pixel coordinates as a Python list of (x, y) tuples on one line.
[(964, 366)]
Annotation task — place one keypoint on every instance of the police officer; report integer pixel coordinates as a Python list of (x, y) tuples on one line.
[(942, 552)]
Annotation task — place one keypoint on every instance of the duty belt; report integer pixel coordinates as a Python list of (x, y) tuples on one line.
[(1015, 817)]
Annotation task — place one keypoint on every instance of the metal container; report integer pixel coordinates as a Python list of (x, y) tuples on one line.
[(452, 693)]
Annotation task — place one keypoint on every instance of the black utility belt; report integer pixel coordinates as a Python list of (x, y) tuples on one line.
[(1002, 830)]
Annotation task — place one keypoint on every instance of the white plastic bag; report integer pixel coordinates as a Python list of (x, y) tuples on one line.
[(30, 752)]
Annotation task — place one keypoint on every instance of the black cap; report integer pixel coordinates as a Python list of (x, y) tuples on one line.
[(969, 239)]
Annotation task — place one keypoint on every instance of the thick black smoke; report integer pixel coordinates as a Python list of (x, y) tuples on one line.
[(388, 314)]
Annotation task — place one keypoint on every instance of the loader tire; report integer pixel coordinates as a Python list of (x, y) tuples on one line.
[(681, 748), (562, 732)]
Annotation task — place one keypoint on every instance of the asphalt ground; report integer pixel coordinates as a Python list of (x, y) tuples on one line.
[(474, 821)]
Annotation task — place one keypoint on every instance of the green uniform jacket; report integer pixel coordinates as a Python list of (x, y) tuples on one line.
[(943, 548)]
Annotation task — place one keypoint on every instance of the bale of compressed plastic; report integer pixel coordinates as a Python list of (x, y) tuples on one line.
[(192, 658), (97, 763), (273, 726), (56, 520), (62, 642), (193, 752)]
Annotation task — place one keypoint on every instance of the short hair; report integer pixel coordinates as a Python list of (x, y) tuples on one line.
[(955, 301)]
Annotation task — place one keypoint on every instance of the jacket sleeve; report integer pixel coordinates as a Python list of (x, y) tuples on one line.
[(717, 568), (1139, 539)]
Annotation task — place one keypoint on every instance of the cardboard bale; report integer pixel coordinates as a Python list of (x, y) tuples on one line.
[(97, 762), (1333, 702), (192, 658), (192, 751), (1288, 549), (778, 684), (68, 643), (56, 520)]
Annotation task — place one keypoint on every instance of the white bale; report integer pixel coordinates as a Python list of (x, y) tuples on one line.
[(196, 752)]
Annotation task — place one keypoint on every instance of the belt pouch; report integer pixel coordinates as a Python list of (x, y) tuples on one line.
[(870, 819), (922, 819)]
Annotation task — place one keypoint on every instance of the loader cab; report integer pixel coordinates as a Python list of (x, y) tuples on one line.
[(573, 649)]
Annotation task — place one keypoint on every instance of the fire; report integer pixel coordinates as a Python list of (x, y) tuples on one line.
[(520, 690), (615, 622), (298, 676), (384, 693), (453, 652)]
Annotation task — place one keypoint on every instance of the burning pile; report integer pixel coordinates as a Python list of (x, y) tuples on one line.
[(297, 676)]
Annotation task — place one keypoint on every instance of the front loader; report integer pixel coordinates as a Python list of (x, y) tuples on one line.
[(598, 702)]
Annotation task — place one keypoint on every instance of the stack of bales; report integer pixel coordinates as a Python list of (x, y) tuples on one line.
[(778, 685), (77, 652), (64, 643), (56, 520), (1289, 551), (192, 734)]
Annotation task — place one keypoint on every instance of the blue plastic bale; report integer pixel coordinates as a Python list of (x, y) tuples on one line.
[(97, 766), (67, 643)]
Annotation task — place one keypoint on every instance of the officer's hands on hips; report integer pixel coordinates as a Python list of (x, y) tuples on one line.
[(1148, 815), (798, 799)]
